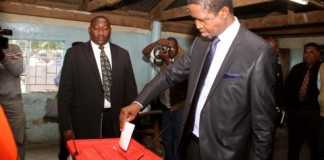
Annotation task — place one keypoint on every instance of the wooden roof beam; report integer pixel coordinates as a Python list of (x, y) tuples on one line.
[(174, 13), (96, 4), (295, 31), (74, 15), (269, 22), (49, 3), (317, 3), (182, 11), (84, 4), (292, 19), (162, 5), (244, 3)]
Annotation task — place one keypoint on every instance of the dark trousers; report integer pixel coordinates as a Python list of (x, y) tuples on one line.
[(302, 128), (170, 134), (192, 150), (108, 125), (63, 152), (321, 140), (107, 132)]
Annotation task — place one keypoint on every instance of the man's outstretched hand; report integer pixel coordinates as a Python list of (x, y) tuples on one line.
[(128, 113), (68, 135)]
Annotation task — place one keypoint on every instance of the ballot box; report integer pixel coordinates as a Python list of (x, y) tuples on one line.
[(8, 149), (108, 149)]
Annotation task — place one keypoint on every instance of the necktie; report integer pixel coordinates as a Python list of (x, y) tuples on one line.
[(304, 86), (201, 81), (106, 73), (205, 68)]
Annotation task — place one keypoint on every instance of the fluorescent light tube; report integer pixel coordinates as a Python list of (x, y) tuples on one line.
[(303, 2)]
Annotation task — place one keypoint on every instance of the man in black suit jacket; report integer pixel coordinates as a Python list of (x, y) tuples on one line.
[(303, 108), (84, 109), (229, 110)]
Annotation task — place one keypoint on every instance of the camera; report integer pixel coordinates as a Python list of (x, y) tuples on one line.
[(3, 40), (163, 54)]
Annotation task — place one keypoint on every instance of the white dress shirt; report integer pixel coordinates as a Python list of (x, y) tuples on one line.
[(226, 39), (96, 52)]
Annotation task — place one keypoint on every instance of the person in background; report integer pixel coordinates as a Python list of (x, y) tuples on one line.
[(11, 68), (58, 76), (279, 86), (228, 113), (321, 103), (161, 54), (63, 151), (97, 80), (302, 103)]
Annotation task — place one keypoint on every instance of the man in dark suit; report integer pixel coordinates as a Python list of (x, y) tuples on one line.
[(279, 85), (302, 103), (229, 110), (97, 80)]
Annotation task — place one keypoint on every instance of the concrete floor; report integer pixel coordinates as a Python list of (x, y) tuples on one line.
[(41, 152), (281, 146)]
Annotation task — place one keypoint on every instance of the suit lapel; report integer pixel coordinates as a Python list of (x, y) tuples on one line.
[(226, 63), (206, 45), (93, 63), (114, 64)]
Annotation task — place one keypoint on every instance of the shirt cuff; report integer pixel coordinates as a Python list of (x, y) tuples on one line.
[(138, 103)]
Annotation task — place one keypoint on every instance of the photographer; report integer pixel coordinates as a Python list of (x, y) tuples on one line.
[(160, 54), (11, 67)]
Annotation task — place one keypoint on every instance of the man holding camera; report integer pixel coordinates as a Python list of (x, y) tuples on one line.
[(162, 53), (11, 67)]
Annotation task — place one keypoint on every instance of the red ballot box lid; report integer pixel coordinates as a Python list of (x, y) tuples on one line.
[(108, 149)]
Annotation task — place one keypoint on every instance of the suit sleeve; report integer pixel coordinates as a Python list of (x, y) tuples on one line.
[(173, 74), (65, 93), (262, 105), (129, 82)]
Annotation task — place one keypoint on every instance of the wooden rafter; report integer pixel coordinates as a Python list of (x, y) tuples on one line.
[(178, 27), (295, 31), (182, 11), (317, 3), (163, 4), (49, 3), (84, 4), (74, 15), (96, 4), (272, 24), (244, 3), (174, 13), (292, 19)]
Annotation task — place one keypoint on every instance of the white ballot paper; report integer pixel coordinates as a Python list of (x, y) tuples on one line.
[(126, 135)]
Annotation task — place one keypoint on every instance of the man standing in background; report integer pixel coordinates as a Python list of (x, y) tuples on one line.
[(11, 67), (302, 103), (97, 80), (279, 85), (161, 54)]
